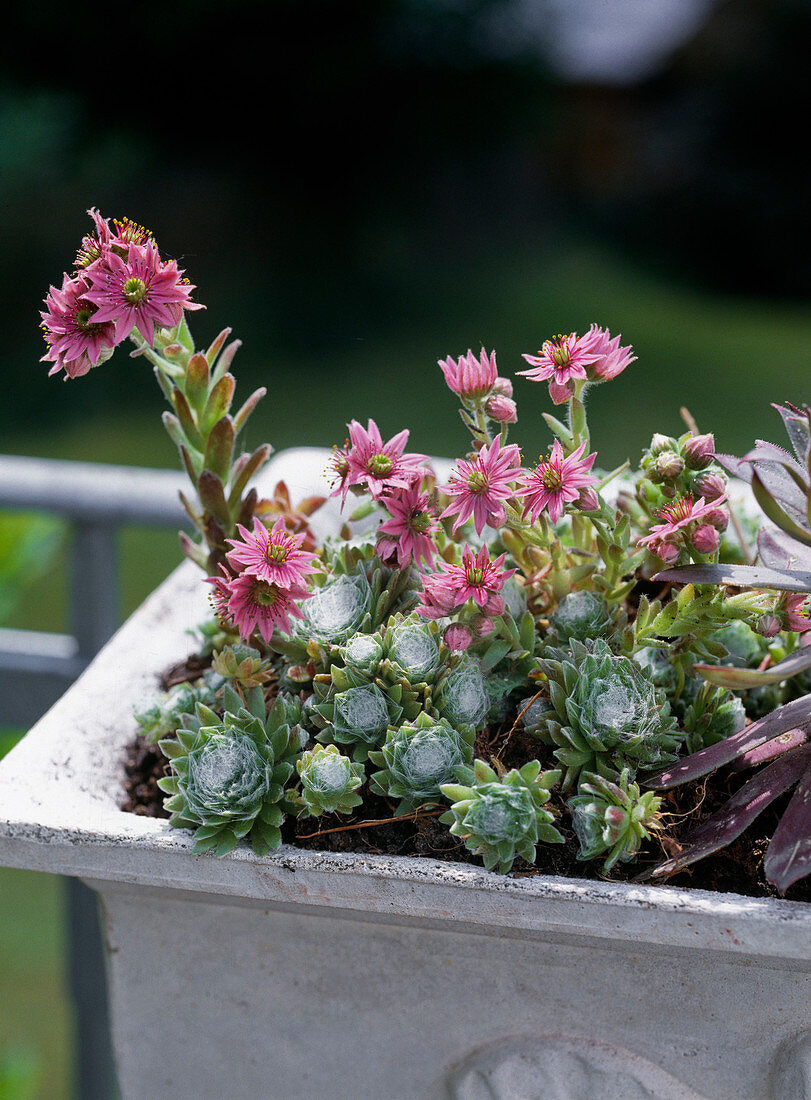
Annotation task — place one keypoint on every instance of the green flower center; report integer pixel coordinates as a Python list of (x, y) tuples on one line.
[(561, 356), (550, 476), (420, 522), (134, 290), (475, 576), (476, 481), (277, 553), (83, 319), (380, 465), (265, 594)]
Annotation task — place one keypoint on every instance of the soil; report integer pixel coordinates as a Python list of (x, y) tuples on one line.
[(738, 868)]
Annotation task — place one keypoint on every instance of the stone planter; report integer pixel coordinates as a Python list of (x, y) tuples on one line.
[(314, 975)]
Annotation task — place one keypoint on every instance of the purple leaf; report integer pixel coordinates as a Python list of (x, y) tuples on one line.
[(793, 715), (789, 855), (777, 458), (741, 810), (741, 576), (778, 550), (796, 423), (741, 678), (787, 741), (738, 467), (780, 510)]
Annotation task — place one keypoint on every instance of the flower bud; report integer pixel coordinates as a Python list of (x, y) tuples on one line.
[(699, 451), (710, 486), (661, 442), (457, 637), (668, 465), (482, 627), (501, 409), (503, 386), (588, 500), (768, 625), (719, 518), (667, 552), (706, 539)]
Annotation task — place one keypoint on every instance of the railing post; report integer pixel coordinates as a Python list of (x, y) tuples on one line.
[(94, 588)]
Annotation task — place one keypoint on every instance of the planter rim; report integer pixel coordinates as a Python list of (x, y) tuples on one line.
[(58, 812)]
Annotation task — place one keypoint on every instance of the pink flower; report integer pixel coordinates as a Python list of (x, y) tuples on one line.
[(611, 358), (275, 556), (682, 517), (379, 467), (139, 292), (562, 362), (252, 603), (94, 245), (76, 340), (791, 610), (557, 481), (409, 533), (477, 579), (469, 376), (478, 487)]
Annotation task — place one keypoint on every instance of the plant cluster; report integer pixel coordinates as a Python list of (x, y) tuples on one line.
[(610, 633)]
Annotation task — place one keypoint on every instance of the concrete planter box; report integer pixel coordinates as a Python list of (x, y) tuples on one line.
[(307, 975)]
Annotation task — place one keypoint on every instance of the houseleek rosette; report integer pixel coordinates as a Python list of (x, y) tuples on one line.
[(607, 714), (416, 759), (501, 818), (228, 778), (612, 817), (329, 782)]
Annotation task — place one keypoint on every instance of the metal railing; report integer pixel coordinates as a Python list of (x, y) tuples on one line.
[(36, 667)]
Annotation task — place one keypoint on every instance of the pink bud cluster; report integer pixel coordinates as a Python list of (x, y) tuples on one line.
[(477, 381), (265, 576), (120, 283), (687, 524)]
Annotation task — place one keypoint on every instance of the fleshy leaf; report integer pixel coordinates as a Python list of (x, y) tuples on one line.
[(789, 855), (737, 814), (785, 514), (778, 550), (741, 576), (793, 715), (741, 678), (787, 741)]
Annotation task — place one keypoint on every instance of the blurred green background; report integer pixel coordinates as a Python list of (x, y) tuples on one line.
[(359, 189)]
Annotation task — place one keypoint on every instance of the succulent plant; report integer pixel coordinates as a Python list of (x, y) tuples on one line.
[(228, 775), (580, 615), (362, 654), (336, 610), (329, 782), (462, 696), (608, 714), (500, 818), (164, 715), (416, 759), (412, 646), (612, 817), (715, 713), (358, 716), (243, 665)]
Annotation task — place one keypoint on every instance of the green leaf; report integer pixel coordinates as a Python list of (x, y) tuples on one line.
[(495, 651), (777, 514)]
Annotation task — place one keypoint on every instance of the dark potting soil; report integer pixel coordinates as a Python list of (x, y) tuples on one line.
[(738, 868)]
